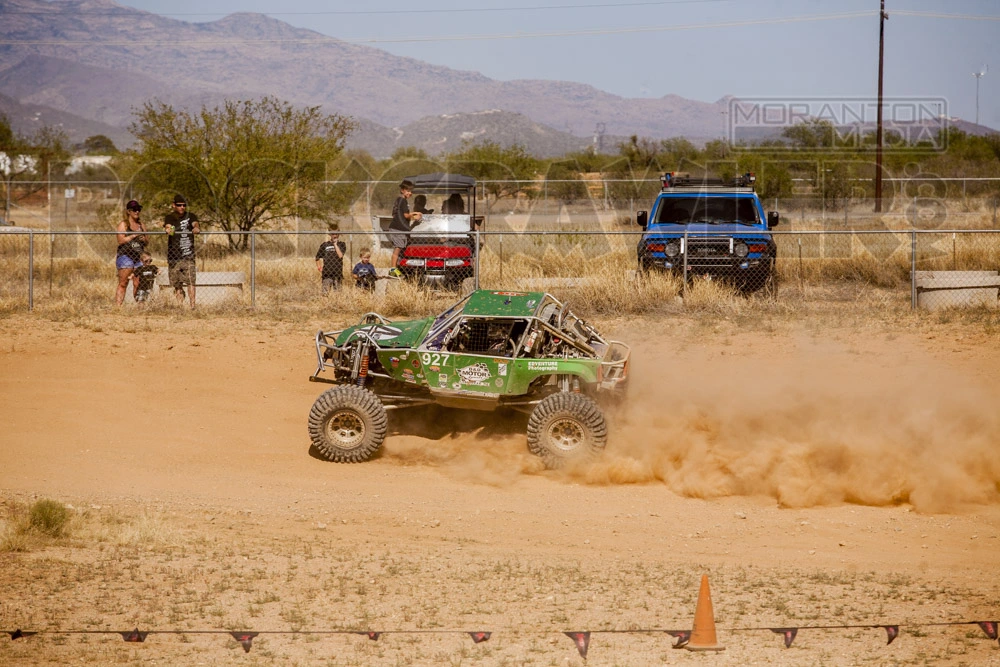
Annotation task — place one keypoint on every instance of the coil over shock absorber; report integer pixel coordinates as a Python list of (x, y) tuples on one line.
[(361, 363)]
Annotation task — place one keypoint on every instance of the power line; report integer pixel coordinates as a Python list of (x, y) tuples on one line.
[(455, 38), (939, 15)]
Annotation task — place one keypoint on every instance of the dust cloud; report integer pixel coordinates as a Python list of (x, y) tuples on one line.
[(814, 423), (809, 422)]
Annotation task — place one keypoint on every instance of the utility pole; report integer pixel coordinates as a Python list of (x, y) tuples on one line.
[(979, 75), (878, 131)]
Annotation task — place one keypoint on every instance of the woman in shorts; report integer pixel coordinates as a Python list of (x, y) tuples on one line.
[(131, 244)]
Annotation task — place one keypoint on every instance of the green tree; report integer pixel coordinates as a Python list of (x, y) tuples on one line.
[(27, 162), (564, 182), (247, 164), (814, 133), (98, 144), (503, 172)]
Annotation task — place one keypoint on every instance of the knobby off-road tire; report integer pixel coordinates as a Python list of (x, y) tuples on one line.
[(566, 427), (347, 424)]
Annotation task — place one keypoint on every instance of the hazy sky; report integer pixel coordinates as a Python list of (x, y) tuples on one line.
[(698, 49)]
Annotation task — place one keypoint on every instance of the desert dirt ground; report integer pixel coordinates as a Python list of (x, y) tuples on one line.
[(843, 474)]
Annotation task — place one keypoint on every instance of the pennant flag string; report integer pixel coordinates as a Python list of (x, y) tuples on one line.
[(580, 638)]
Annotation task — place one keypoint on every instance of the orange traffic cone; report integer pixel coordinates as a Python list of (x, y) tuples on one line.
[(703, 633)]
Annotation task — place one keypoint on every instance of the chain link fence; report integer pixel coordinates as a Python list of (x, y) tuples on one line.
[(942, 250), (936, 268)]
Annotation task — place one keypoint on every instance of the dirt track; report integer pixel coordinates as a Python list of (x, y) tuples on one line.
[(848, 476)]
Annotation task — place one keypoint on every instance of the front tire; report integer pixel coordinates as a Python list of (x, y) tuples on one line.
[(566, 427), (347, 424)]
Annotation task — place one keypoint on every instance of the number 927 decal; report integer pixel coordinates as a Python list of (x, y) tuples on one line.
[(434, 359)]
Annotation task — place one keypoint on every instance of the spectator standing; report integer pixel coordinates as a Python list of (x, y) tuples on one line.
[(364, 271), (402, 221), (131, 244), (145, 275), (181, 227), (330, 262)]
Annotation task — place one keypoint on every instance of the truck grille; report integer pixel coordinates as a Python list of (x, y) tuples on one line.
[(709, 252)]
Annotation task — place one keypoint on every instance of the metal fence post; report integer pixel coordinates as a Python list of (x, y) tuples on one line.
[(477, 259), (31, 270), (802, 286), (913, 270), (253, 268), (684, 271)]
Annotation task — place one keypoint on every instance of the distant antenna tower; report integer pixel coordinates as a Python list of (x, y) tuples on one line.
[(979, 75), (599, 137)]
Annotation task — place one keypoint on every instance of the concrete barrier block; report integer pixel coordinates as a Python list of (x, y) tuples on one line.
[(945, 289)]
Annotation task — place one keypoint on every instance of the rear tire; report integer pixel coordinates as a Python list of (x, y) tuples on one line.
[(566, 427), (347, 424)]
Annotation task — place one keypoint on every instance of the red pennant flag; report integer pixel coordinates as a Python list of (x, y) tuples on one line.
[(892, 631), (582, 641), (17, 634), (134, 636), (245, 639), (683, 637), (989, 627), (371, 635), (480, 637), (788, 633)]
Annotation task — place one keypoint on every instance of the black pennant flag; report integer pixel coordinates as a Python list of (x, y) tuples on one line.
[(892, 631), (134, 635), (480, 637), (371, 635), (788, 633), (989, 627), (245, 639), (17, 634), (683, 637), (582, 641)]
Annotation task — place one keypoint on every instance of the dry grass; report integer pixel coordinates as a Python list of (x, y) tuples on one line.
[(171, 574), (595, 270)]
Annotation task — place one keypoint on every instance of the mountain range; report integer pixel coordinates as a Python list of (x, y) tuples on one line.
[(97, 60), (86, 65)]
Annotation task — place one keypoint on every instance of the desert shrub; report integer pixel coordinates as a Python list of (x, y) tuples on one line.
[(49, 517)]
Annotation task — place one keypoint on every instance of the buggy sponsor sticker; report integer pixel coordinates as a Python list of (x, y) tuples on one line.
[(502, 370), (511, 293), (443, 379), (474, 374), (394, 361), (498, 382), (543, 365), (383, 332)]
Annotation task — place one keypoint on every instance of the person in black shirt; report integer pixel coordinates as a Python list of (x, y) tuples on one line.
[(402, 220), (420, 205), (330, 262), (181, 226), (131, 243), (147, 275)]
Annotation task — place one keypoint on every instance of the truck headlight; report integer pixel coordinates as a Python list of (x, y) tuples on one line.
[(673, 249), (740, 249)]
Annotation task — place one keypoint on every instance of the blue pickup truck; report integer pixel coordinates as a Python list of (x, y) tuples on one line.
[(709, 227)]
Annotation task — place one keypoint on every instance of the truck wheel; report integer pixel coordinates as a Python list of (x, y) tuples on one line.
[(565, 427), (347, 424)]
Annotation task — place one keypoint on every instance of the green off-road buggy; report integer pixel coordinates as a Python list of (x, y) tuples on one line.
[(492, 349)]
